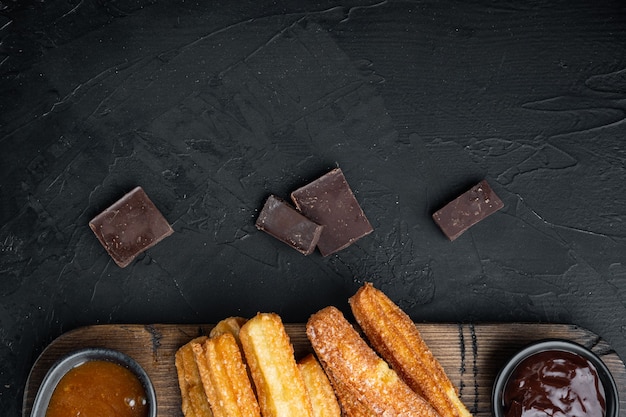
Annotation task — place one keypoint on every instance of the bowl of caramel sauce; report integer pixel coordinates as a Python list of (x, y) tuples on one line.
[(555, 378), (95, 382)]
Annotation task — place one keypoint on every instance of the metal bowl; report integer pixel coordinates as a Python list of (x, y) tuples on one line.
[(72, 360), (608, 383)]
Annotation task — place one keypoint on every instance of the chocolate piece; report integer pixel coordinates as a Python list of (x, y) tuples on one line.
[(130, 226), (467, 209), (329, 201), (282, 221)]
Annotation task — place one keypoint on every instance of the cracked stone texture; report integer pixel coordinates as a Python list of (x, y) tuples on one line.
[(211, 108)]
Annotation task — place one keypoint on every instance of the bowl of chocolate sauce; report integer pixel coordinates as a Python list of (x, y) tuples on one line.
[(555, 378)]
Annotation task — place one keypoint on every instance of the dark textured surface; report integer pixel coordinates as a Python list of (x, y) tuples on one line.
[(212, 107)]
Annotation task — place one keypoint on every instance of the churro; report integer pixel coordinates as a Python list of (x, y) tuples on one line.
[(270, 356), (228, 325), (194, 400), (224, 377), (350, 405), (394, 335), (229, 377), (359, 370), (323, 400)]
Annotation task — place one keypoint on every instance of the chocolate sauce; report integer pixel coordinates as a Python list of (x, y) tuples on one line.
[(554, 383)]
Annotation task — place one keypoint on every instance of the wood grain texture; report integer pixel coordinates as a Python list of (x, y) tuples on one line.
[(471, 354)]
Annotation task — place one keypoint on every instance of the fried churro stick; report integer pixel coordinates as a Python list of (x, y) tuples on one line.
[(359, 371), (394, 335), (228, 325), (224, 377), (229, 377), (231, 325), (350, 405), (269, 353), (194, 400), (199, 353), (321, 394)]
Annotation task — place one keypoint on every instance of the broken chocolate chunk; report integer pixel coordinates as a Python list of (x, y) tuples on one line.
[(282, 221), (130, 226), (467, 209), (330, 202)]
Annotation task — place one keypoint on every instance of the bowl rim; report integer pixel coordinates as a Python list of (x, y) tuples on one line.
[(78, 357), (604, 374)]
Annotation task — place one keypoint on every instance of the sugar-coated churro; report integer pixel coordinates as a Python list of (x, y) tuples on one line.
[(359, 370), (394, 335)]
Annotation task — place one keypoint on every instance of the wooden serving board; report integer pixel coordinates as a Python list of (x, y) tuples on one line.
[(471, 354)]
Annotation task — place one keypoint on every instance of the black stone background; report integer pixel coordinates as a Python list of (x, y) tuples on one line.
[(211, 106)]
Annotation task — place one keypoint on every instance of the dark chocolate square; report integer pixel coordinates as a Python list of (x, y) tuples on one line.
[(130, 226), (282, 221), (329, 201), (467, 209)]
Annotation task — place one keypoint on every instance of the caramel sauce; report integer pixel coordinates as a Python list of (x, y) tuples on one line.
[(554, 384), (98, 389)]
